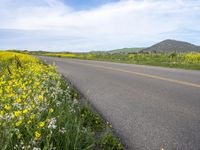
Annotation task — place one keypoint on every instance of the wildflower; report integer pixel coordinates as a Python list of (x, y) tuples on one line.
[(33, 105), (35, 148), (8, 107), (17, 113), (58, 103), (52, 123), (32, 116), (40, 97), (51, 110), (1, 117), (18, 123), (16, 146), (19, 136), (41, 124), (18, 100), (37, 135), (62, 130), (25, 111), (1, 112)]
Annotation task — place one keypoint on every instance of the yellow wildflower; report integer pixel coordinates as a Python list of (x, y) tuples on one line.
[(33, 106), (25, 111), (32, 116), (37, 135), (40, 97), (1, 91), (8, 107), (18, 100), (17, 113), (19, 136), (51, 110), (18, 123), (41, 124), (29, 121), (1, 112)]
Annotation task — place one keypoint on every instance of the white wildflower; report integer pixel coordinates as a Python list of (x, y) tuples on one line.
[(58, 103), (52, 123), (62, 130), (35, 148), (16, 146), (2, 117)]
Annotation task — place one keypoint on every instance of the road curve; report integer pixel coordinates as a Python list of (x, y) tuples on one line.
[(150, 108)]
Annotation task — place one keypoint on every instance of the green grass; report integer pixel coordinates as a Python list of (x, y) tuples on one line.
[(91, 119), (173, 60), (109, 142)]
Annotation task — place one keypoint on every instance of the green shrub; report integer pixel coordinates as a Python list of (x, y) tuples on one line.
[(109, 142)]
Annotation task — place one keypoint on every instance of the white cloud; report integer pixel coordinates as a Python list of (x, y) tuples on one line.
[(121, 24)]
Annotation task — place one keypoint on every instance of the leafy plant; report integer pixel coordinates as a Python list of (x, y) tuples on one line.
[(109, 142)]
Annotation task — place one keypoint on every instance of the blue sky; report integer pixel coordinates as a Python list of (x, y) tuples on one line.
[(84, 25), (87, 4)]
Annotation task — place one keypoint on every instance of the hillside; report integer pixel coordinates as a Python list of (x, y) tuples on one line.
[(125, 50), (172, 46)]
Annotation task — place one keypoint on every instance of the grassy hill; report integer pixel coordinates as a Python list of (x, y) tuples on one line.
[(168, 46)]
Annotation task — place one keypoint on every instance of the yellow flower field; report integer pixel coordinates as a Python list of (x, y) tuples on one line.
[(62, 55), (192, 58), (36, 107)]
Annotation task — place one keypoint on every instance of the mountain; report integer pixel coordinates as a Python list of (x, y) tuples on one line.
[(172, 46), (125, 50)]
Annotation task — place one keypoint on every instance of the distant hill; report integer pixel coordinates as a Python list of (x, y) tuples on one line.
[(125, 50), (172, 46)]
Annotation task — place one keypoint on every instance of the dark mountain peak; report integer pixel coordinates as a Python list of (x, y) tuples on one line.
[(170, 40), (170, 45)]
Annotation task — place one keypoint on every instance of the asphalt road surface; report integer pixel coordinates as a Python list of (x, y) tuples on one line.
[(150, 108)]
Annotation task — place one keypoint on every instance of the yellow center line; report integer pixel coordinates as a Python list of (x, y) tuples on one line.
[(142, 74)]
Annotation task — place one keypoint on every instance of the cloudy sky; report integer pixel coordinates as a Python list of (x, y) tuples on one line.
[(83, 25)]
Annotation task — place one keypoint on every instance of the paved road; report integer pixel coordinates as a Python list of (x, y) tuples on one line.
[(149, 107)]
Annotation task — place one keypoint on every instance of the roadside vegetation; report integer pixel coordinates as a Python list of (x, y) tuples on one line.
[(39, 110), (174, 60)]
